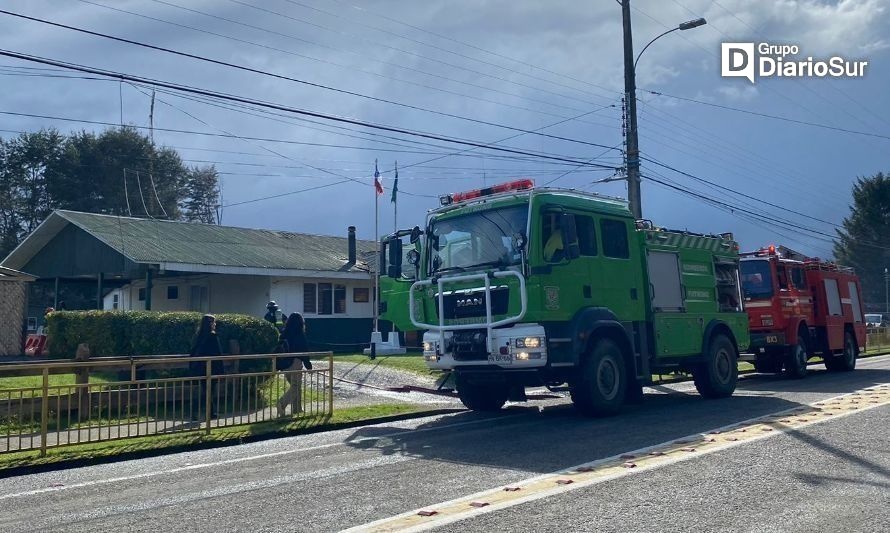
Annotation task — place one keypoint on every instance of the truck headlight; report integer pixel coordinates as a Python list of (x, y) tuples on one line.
[(428, 347), (528, 342)]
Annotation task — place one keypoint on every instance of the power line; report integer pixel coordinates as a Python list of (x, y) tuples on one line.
[(748, 196), (350, 68), (478, 48), (278, 107), (766, 115), (282, 77)]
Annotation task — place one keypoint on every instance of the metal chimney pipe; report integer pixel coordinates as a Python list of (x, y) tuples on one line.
[(351, 239)]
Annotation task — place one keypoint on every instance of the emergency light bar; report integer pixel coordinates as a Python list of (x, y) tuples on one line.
[(517, 185)]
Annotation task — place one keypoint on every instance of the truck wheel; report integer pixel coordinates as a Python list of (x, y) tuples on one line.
[(600, 389), (718, 375), (847, 360), (485, 397), (796, 359)]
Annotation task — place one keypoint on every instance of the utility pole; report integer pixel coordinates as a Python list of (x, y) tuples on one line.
[(632, 154)]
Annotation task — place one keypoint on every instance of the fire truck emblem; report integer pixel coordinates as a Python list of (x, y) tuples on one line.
[(551, 297)]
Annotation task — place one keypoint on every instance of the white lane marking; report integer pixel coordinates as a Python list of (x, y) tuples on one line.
[(381, 525), (187, 468)]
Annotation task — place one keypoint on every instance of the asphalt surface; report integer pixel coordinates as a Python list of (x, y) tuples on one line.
[(833, 476)]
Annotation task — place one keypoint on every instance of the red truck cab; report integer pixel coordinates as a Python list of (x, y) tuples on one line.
[(799, 307)]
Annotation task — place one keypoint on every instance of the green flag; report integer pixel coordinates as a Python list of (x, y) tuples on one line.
[(395, 184)]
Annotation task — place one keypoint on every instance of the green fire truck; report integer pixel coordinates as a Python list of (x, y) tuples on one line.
[(517, 286)]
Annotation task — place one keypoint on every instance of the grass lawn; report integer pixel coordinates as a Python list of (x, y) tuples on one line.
[(230, 435), (409, 362), (36, 382)]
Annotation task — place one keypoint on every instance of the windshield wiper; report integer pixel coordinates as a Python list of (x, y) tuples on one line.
[(449, 269), (499, 263)]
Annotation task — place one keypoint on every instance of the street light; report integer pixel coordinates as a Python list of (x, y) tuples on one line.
[(632, 155)]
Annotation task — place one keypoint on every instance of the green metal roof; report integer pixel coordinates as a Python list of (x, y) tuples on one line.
[(152, 241)]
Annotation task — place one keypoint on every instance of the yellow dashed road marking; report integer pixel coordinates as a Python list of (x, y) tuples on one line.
[(633, 462)]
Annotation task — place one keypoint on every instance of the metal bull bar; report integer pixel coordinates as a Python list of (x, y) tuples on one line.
[(489, 325)]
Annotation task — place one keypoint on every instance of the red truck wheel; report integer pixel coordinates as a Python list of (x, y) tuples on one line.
[(847, 360), (796, 359)]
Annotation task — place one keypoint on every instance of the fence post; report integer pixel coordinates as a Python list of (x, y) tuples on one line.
[(208, 396), (44, 412), (330, 383), (82, 380)]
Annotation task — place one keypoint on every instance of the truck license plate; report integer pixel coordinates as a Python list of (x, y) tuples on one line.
[(498, 358), (772, 339)]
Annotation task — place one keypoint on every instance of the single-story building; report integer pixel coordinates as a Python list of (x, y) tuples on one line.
[(13, 306), (90, 261)]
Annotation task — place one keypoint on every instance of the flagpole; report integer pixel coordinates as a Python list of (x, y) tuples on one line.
[(395, 202)]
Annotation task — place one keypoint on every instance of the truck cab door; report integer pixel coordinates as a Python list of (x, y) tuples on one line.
[(395, 283)]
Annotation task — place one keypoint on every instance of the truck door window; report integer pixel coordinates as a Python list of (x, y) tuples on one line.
[(783, 278), (797, 278), (554, 249), (615, 242), (586, 235)]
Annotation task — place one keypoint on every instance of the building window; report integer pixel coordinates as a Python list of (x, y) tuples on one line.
[(116, 301), (614, 238), (172, 292), (198, 298), (142, 294), (309, 298), (32, 323), (361, 295), (325, 299), (339, 299)]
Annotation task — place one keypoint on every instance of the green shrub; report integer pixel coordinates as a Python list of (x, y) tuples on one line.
[(124, 333)]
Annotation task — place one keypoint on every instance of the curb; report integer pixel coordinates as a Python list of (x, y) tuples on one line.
[(180, 448)]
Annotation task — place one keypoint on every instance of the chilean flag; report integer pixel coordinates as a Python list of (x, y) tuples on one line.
[(377, 183)]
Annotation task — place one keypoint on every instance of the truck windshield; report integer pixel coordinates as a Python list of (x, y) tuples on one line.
[(757, 280), (482, 238)]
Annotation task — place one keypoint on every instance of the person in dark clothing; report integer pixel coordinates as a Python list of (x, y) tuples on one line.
[(206, 344), (293, 340), (275, 316)]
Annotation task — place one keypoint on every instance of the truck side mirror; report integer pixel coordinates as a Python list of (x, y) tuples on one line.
[(394, 270), (569, 235), (415, 234)]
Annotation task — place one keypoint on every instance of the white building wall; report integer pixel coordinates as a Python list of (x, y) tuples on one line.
[(288, 294), (216, 293)]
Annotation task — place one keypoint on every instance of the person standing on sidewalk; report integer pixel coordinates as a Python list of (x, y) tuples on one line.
[(206, 345), (292, 340)]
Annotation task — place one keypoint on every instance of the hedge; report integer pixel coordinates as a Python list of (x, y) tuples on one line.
[(125, 333)]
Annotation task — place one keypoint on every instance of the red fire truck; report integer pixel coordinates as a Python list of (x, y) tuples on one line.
[(799, 307)]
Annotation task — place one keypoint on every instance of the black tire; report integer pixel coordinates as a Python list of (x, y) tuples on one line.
[(482, 397), (796, 358), (847, 360), (718, 375), (601, 387), (771, 364)]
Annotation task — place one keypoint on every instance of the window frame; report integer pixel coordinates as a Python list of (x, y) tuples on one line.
[(175, 289), (613, 222)]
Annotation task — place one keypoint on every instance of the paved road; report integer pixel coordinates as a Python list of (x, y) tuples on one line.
[(831, 476)]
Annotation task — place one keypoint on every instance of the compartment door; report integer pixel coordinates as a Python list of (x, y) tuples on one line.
[(667, 287)]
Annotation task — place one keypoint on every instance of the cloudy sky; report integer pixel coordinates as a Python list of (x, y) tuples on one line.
[(484, 71)]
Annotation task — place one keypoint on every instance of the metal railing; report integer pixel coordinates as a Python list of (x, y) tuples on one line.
[(117, 399)]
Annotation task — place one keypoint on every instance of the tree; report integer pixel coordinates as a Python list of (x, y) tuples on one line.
[(201, 195), (118, 172), (864, 242)]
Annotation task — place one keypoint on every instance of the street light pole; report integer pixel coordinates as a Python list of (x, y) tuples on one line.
[(632, 153)]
